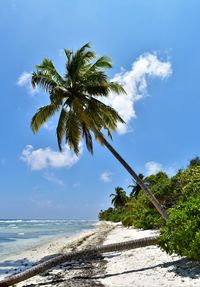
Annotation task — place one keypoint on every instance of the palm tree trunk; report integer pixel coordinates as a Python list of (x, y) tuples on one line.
[(150, 195), (87, 253)]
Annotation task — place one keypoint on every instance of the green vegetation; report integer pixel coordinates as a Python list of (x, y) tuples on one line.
[(75, 96), (180, 195), (181, 235), (119, 198), (139, 212)]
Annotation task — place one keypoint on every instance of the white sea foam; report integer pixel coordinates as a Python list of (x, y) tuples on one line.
[(18, 235)]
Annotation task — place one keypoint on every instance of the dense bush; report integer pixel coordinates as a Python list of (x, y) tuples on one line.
[(111, 214), (181, 196), (181, 235), (141, 215), (140, 212)]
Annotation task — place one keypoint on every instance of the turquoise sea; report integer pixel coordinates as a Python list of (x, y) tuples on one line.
[(20, 235)]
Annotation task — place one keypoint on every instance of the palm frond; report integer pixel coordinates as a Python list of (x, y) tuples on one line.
[(111, 113), (73, 131), (98, 90), (78, 61), (103, 62), (88, 138), (44, 81), (47, 67), (116, 88), (83, 48), (56, 97), (61, 127), (42, 115), (68, 54)]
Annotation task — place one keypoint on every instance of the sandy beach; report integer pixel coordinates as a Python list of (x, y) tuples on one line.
[(147, 266)]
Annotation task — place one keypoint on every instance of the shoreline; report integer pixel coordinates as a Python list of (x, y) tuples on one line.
[(26, 259), (141, 267), (42, 232)]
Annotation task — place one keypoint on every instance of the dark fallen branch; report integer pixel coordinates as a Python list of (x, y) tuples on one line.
[(86, 253)]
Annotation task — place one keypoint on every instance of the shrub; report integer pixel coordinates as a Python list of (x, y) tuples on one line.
[(181, 235), (111, 214), (186, 183), (140, 212)]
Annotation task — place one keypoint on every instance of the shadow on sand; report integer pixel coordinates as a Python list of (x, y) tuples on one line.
[(181, 267)]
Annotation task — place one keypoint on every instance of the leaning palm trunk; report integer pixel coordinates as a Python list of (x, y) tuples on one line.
[(87, 253), (150, 195), (75, 97)]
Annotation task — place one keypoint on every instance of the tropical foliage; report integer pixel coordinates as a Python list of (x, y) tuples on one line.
[(74, 96), (180, 195), (119, 197), (139, 211), (136, 188), (181, 234)]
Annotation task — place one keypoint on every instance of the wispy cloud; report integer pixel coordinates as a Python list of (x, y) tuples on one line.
[(24, 80), (153, 167), (106, 176), (47, 204), (39, 159), (50, 176), (76, 185), (135, 82), (49, 126)]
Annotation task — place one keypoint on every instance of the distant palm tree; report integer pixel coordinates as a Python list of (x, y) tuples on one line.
[(136, 188), (194, 161), (119, 197), (76, 96)]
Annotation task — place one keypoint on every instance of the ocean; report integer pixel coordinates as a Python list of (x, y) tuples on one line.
[(21, 235)]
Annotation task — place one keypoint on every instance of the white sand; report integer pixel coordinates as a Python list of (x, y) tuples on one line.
[(142, 267), (24, 260), (147, 266)]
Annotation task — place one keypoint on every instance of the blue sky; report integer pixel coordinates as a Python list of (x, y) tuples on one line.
[(154, 46)]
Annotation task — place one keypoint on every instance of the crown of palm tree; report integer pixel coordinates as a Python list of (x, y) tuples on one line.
[(76, 96), (136, 188), (119, 197)]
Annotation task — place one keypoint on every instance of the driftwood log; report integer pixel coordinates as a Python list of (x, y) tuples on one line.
[(86, 253)]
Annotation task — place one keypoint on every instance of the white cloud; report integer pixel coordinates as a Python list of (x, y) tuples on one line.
[(135, 84), (43, 158), (76, 184), (49, 126), (24, 80), (106, 176), (153, 167), (50, 176)]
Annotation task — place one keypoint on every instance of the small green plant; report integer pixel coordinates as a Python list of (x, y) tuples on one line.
[(181, 235)]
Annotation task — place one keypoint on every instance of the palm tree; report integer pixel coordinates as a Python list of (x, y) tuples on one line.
[(136, 188), (119, 197), (76, 255), (76, 97)]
